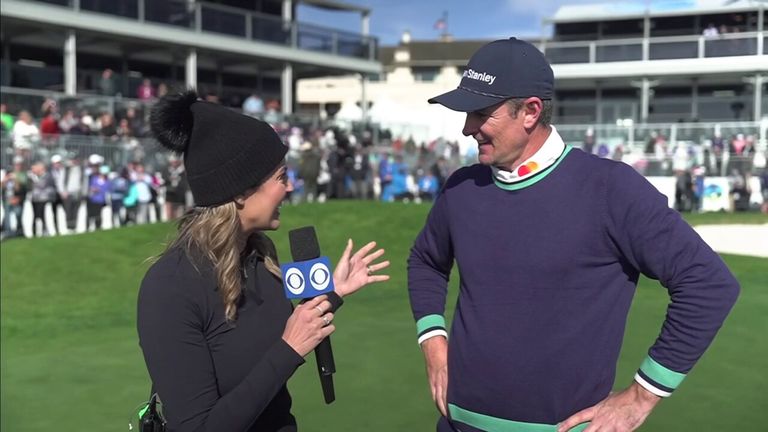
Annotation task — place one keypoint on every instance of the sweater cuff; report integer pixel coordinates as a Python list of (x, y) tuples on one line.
[(284, 359), (658, 379), (430, 326)]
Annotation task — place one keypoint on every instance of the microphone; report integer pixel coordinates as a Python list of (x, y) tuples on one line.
[(307, 277)]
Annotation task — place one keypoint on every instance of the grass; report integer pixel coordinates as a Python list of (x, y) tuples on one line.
[(70, 352)]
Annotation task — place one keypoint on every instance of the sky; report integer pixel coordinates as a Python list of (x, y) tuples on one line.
[(466, 19)]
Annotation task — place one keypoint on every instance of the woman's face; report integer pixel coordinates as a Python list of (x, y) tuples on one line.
[(260, 208)]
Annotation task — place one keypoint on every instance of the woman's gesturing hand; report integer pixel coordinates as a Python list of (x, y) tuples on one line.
[(309, 324), (355, 271)]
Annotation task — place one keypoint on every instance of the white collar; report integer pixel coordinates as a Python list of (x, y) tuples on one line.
[(548, 154)]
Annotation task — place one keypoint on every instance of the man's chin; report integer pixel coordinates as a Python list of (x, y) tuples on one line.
[(485, 160)]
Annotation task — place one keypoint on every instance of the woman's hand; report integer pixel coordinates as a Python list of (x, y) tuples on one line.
[(309, 324), (356, 271)]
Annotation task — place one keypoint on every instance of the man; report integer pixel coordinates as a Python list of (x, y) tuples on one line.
[(15, 185), (549, 243), (59, 174)]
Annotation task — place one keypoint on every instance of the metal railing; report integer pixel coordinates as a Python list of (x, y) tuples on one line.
[(656, 48), (231, 21)]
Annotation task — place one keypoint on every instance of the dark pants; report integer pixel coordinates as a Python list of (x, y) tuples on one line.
[(38, 213), (16, 211), (94, 215), (58, 202), (118, 219), (71, 207)]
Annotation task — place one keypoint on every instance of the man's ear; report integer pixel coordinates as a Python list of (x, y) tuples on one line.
[(532, 108)]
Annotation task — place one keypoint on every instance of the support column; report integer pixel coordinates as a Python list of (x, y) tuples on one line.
[(70, 64), (6, 73), (286, 85), (758, 98), (760, 30), (364, 97), (287, 10), (599, 102), (125, 70), (365, 24), (219, 82), (191, 69), (645, 100), (646, 36), (695, 99)]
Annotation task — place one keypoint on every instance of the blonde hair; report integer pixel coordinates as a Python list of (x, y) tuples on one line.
[(212, 233)]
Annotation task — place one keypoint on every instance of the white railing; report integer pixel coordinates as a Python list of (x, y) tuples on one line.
[(655, 48)]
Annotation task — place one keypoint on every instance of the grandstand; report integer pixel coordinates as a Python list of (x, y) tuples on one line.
[(220, 47)]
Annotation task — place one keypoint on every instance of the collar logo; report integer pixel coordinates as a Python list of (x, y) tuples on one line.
[(479, 76)]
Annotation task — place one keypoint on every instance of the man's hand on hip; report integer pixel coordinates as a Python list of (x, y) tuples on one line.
[(624, 411), (436, 357)]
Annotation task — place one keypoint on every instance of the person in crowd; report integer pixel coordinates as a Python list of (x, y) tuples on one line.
[(108, 128), (98, 189), (131, 200), (427, 184), (42, 192), (145, 91), (399, 187), (25, 134), (106, 83), (143, 182), (59, 175), (6, 118), (135, 123), (710, 31), (176, 188), (218, 335), (68, 122), (49, 126), (162, 89), (359, 173), (15, 185), (386, 173), (119, 185), (550, 242), (74, 190), (253, 106), (309, 170)]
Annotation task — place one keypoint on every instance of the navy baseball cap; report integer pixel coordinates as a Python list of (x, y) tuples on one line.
[(500, 70)]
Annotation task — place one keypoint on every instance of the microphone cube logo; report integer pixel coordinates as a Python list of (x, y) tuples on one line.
[(307, 279)]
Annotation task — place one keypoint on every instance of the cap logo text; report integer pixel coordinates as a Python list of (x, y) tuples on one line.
[(479, 76)]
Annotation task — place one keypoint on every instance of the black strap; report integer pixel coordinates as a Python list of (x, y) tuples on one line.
[(335, 300)]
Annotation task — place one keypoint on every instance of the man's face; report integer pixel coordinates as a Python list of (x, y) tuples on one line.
[(500, 135)]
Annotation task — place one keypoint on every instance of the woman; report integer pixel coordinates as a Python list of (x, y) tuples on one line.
[(219, 337)]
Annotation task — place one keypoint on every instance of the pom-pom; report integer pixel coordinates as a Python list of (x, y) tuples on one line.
[(171, 120)]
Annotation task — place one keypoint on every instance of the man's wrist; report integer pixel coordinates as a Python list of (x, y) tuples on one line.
[(643, 395)]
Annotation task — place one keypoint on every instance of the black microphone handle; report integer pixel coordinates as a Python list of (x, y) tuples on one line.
[(326, 368)]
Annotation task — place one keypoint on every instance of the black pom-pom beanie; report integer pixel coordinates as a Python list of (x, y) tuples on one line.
[(225, 152)]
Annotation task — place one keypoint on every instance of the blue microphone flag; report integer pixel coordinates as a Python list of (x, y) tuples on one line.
[(307, 279)]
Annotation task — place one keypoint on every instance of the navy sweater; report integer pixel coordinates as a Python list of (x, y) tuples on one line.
[(547, 275)]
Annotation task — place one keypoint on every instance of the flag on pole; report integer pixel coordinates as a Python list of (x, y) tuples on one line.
[(442, 23)]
